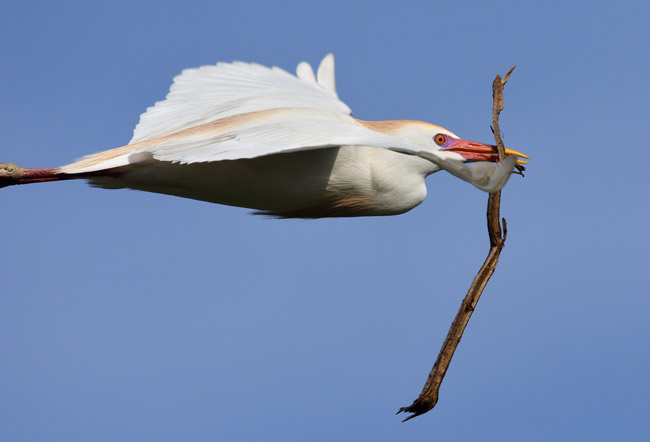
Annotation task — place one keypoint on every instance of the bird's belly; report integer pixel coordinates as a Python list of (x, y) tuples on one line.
[(306, 184)]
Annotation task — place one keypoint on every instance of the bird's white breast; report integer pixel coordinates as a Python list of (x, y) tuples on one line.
[(344, 181)]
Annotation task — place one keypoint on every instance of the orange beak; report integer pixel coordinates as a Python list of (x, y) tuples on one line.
[(473, 151)]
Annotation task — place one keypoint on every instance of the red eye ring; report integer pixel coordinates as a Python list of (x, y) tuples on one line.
[(440, 139)]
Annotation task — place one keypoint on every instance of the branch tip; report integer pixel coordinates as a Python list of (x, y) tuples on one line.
[(507, 77)]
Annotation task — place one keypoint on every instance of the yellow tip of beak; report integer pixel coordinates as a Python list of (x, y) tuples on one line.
[(517, 154), (522, 161)]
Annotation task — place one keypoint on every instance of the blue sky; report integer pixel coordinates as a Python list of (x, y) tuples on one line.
[(132, 316)]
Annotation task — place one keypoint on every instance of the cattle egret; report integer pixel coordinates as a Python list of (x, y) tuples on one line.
[(246, 135)]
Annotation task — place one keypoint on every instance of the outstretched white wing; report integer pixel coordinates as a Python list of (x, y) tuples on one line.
[(278, 131), (210, 93), (268, 133)]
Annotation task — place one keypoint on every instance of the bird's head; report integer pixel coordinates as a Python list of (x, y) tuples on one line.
[(471, 150), (431, 136)]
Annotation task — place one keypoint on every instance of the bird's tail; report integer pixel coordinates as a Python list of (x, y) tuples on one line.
[(12, 174)]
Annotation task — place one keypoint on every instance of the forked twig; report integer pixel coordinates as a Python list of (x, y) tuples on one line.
[(497, 230)]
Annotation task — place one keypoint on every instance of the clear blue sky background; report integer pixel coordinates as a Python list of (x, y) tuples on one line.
[(139, 317)]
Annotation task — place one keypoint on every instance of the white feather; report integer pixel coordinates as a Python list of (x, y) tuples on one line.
[(272, 132), (305, 72), (326, 74), (209, 93)]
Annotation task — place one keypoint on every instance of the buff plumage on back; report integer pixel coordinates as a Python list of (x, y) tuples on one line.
[(210, 93)]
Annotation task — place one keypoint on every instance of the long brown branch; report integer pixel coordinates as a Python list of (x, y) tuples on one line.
[(429, 395)]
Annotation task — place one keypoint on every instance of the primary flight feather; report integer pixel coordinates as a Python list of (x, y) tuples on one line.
[(246, 135)]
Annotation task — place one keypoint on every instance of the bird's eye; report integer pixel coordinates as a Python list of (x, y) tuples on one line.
[(440, 139)]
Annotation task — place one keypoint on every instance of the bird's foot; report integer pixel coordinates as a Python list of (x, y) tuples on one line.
[(10, 174)]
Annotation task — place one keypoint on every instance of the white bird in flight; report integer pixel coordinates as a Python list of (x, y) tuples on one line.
[(250, 136)]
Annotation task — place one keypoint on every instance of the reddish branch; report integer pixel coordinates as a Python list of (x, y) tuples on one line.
[(429, 395)]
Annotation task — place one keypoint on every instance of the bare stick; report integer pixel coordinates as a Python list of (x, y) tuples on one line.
[(429, 395)]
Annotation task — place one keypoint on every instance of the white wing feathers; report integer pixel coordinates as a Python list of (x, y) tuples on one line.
[(326, 74), (210, 93), (305, 72), (272, 132), (325, 77)]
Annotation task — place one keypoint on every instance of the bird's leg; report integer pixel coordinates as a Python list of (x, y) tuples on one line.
[(12, 174)]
